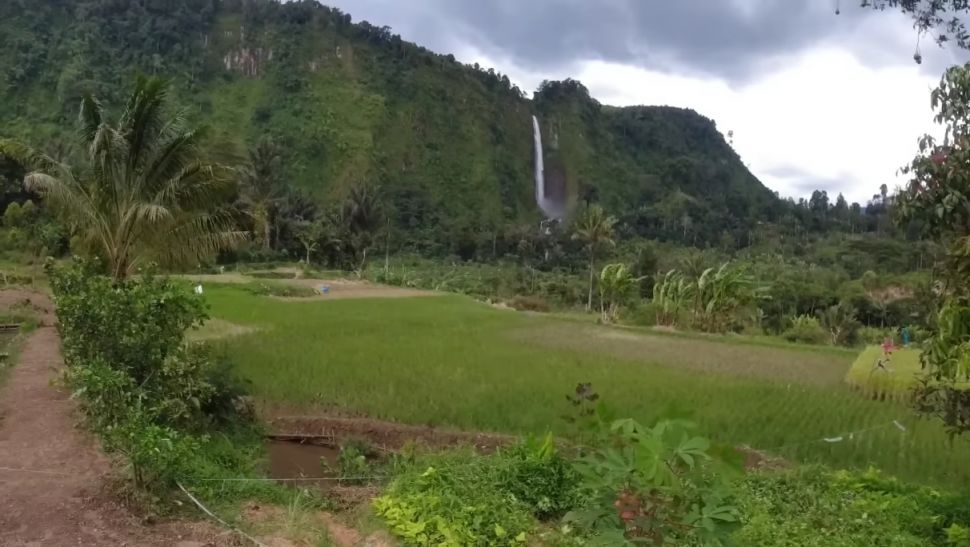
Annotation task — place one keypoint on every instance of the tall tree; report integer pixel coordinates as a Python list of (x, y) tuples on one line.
[(144, 192), (595, 230), (262, 189), (361, 216), (938, 197)]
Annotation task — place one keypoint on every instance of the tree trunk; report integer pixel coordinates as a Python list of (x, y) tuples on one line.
[(363, 262), (589, 299), (267, 233), (387, 249)]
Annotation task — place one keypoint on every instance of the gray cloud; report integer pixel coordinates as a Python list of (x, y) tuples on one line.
[(729, 39)]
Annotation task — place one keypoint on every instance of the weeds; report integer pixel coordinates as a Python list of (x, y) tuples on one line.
[(279, 290)]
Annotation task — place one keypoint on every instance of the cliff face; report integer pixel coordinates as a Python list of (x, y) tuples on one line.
[(451, 145)]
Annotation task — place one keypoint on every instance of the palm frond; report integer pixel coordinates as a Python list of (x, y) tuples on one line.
[(90, 118), (143, 118), (26, 156)]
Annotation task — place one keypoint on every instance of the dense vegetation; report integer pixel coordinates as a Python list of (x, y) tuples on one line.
[(449, 145), (334, 142)]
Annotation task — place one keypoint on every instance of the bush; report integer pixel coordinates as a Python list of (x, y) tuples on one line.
[(530, 303), (644, 315), (280, 290), (807, 330), (652, 485), (537, 475), (873, 336), (149, 396), (133, 325), (816, 507), (454, 499)]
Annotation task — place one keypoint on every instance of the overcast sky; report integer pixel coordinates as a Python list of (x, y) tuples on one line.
[(815, 100)]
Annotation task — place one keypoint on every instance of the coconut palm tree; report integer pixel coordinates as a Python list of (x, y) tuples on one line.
[(595, 230), (361, 216), (262, 190), (143, 192)]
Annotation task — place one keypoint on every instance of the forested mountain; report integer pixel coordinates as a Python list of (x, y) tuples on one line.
[(450, 145)]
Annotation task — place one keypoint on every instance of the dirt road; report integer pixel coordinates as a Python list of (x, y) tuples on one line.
[(53, 475)]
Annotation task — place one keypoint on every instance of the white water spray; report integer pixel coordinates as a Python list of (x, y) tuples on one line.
[(544, 204)]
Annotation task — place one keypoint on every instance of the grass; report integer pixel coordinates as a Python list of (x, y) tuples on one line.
[(451, 361)]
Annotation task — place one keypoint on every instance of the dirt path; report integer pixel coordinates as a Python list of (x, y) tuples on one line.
[(52, 475), (337, 289)]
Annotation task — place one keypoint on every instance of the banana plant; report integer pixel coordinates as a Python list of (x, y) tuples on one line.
[(671, 296), (617, 287), (714, 299)]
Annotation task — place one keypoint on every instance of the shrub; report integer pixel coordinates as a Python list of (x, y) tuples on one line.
[(353, 464), (454, 499), (807, 330), (644, 314), (280, 290), (873, 335), (537, 475), (132, 325), (149, 396), (530, 303), (652, 485), (812, 506)]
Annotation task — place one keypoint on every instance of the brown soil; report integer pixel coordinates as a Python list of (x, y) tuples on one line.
[(330, 431), (305, 527), (759, 460), (383, 434), (33, 302), (53, 477)]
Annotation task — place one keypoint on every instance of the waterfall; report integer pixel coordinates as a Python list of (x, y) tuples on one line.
[(544, 205)]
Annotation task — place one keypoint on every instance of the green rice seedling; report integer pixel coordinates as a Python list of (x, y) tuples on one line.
[(885, 376), (451, 361)]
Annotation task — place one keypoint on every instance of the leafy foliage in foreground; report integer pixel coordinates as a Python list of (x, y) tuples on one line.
[(938, 196), (816, 507), (455, 499), (173, 413)]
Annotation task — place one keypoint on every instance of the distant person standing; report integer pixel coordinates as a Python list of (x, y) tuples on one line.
[(905, 335), (888, 346)]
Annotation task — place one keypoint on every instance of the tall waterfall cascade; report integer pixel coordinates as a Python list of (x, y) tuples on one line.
[(545, 205)]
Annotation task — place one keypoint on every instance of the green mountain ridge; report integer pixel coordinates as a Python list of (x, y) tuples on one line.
[(451, 145)]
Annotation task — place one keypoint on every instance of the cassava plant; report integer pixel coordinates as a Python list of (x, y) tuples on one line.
[(647, 485)]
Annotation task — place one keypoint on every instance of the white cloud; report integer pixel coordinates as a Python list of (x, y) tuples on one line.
[(825, 115)]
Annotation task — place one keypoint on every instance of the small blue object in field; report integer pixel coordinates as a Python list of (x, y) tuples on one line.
[(324, 289)]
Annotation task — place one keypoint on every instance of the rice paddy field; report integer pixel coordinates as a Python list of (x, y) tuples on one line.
[(450, 361), (875, 375)]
